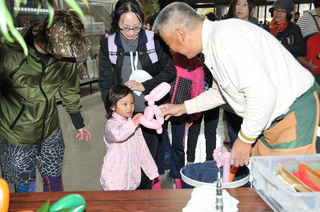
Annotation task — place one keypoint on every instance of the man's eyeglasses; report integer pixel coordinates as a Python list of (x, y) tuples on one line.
[(135, 29), (279, 11)]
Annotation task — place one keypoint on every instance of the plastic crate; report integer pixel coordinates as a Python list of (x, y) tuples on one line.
[(274, 191)]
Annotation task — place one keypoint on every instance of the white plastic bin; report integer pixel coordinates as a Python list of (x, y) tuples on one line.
[(276, 193)]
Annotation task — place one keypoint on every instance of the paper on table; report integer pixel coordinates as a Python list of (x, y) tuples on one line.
[(203, 199)]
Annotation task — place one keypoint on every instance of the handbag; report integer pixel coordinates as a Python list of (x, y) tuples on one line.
[(313, 48), (137, 74)]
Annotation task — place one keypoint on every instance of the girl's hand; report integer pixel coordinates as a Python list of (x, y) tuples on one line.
[(135, 118)]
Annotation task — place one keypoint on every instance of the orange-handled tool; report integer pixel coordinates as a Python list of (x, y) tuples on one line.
[(233, 171)]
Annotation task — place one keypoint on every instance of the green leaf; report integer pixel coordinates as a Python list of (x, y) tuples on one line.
[(6, 22), (73, 4), (16, 5), (19, 38), (86, 2), (39, 4), (51, 12), (3, 21), (45, 207)]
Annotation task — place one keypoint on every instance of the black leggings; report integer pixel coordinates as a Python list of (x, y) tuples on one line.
[(211, 118)]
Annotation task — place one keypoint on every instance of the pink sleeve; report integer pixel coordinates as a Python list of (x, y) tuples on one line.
[(118, 132), (197, 86)]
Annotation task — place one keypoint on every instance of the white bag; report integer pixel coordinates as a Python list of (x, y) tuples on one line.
[(138, 75)]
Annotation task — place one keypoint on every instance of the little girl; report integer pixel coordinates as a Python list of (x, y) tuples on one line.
[(127, 151)]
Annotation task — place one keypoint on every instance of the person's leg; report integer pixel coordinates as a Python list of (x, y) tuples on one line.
[(193, 134), (167, 154), (152, 139), (233, 124), (49, 161), (318, 145), (26, 188), (211, 119), (18, 165), (177, 151), (160, 157)]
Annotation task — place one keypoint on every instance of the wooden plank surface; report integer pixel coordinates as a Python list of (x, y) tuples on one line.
[(139, 200)]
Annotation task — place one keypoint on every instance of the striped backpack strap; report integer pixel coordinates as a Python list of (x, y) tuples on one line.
[(112, 49), (151, 50)]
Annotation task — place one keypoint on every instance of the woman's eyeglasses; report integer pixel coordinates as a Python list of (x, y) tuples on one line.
[(279, 11), (135, 29)]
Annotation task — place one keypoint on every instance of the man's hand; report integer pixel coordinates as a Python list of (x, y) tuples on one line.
[(169, 110), (83, 134), (240, 153)]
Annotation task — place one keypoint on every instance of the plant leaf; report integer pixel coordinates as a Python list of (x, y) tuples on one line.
[(6, 22), (73, 4), (39, 4), (45, 207), (17, 6), (86, 2), (51, 12), (3, 21)]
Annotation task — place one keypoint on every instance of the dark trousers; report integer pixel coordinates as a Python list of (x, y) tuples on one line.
[(177, 149), (210, 118), (152, 139), (163, 158), (233, 125), (318, 145)]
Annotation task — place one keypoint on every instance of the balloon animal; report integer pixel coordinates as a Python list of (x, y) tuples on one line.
[(222, 157), (153, 110)]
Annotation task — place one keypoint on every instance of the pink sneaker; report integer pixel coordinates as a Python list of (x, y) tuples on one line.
[(226, 140), (178, 183), (157, 183)]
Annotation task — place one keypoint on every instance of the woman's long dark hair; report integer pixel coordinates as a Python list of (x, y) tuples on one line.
[(233, 4), (125, 6), (116, 93)]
